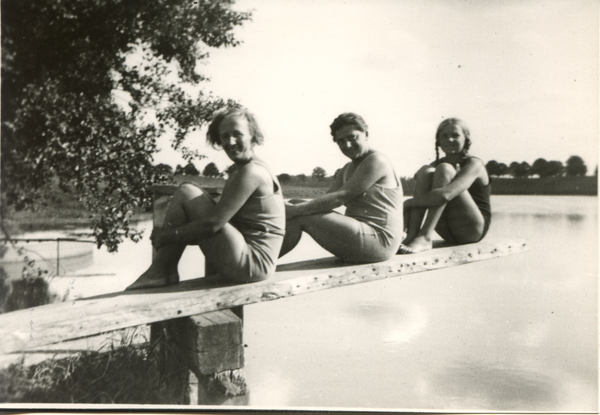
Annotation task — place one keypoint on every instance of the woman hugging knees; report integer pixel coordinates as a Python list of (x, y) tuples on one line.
[(371, 228), (453, 193), (241, 233)]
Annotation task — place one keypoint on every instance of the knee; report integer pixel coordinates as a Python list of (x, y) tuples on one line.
[(188, 191), (445, 171), (424, 172)]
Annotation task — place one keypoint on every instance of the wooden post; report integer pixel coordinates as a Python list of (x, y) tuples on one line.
[(202, 356)]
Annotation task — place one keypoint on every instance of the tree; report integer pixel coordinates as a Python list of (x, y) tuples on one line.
[(190, 170), (229, 169), (496, 169), (522, 169), (211, 170), (545, 168), (163, 173), (284, 178), (318, 173), (89, 86), (555, 168), (575, 166), (539, 167)]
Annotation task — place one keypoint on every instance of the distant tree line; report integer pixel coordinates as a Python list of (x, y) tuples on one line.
[(575, 166), (164, 173)]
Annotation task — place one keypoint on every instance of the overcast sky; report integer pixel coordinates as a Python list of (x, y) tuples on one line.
[(523, 74)]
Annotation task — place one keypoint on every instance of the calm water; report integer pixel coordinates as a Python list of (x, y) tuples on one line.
[(511, 334)]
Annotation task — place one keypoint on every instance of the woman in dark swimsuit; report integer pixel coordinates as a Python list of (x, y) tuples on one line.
[(453, 191)]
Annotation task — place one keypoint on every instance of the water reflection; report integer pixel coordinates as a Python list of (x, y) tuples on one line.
[(396, 323), (514, 334), (482, 385)]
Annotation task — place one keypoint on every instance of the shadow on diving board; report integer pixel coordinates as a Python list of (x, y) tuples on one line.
[(24, 329)]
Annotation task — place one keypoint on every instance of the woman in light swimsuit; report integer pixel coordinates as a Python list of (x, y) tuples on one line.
[(241, 234), (371, 228), (453, 191)]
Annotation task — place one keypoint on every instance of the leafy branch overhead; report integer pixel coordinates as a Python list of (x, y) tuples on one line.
[(89, 86)]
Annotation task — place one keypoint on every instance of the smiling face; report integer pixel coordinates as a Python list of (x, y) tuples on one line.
[(236, 139), (451, 139), (352, 142)]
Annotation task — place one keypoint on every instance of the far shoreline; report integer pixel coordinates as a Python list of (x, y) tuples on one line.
[(59, 218)]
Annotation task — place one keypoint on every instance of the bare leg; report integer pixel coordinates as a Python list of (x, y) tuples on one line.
[(458, 221), (336, 233), (293, 234), (163, 270), (444, 173), (413, 219)]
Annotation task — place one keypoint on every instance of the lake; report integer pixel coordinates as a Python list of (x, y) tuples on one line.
[(512, 334)]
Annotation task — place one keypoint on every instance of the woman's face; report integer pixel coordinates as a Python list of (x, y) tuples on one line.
[(352, 142), (236, 139), (451, 139)]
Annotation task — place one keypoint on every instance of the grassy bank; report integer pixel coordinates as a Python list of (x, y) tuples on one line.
[(124, 374), (566, 186)]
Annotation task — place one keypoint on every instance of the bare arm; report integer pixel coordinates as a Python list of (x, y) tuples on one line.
[(369, 172), (237, 191), (337, 181), (473, 170)]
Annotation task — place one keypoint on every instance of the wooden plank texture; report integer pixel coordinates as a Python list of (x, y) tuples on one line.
[(24, 329)]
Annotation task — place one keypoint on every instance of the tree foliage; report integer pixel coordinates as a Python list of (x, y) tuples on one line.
[(89, 86), (319, 173), (211, 170), (545, 168), (284, 178), (230, 169), (575, 166), (163, 173), (522, 169), (496, 169), (190, 170)]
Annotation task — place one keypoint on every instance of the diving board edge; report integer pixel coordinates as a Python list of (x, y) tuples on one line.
[(54, 323)]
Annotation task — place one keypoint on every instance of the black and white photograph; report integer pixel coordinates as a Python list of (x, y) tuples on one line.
[(299, 205)]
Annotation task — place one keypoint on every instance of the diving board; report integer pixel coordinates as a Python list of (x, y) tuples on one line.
[(59, 322)]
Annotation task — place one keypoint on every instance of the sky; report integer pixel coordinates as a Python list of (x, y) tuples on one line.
[(522, 74)]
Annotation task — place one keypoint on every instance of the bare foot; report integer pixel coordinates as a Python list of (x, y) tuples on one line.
[(150, 279), (419, 244), (403, 248)]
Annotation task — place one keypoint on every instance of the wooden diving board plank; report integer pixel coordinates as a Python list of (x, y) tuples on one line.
[(53, 323)]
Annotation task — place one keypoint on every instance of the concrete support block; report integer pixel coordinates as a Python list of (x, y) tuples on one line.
[(210, 346)]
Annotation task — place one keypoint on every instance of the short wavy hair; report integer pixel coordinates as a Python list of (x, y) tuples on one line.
[(348, 118), (212, 135), (459, 123)]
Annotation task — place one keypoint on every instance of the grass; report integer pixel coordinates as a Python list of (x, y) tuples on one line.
[(125, 374)]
